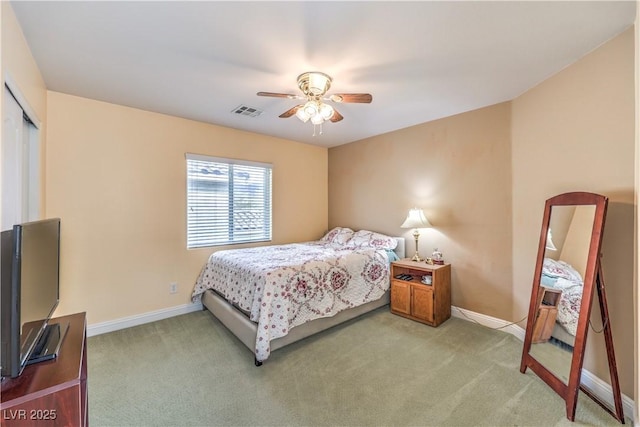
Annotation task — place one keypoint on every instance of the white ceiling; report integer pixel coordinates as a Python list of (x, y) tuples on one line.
[(420, 60)]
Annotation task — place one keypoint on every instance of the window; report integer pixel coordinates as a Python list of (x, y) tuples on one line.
[(228, 201)]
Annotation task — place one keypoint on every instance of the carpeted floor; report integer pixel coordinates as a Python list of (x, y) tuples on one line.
[(378, 370)]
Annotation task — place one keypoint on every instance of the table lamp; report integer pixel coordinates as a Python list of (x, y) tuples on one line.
[(416, 219)]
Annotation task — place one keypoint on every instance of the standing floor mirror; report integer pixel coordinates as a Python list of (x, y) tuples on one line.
[(567, 270)]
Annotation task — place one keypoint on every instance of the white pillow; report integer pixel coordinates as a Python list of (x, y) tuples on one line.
[(560, 269), (371, 239), (338, 235)]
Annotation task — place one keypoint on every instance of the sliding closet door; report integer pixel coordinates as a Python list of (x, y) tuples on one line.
[(20, 185), (12, 171)]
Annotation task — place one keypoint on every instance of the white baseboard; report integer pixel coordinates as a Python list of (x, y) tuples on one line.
[(140, 319), (491, 322), (598, 387)]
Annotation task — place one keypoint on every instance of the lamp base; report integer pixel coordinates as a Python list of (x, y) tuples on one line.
[(416, 257)]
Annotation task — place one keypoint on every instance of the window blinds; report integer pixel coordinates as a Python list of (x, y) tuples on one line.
[(228, 201)]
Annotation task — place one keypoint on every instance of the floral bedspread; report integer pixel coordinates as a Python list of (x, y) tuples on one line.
[(569, 306), (283, 286), (562, 276)]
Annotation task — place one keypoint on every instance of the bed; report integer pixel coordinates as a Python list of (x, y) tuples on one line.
[(272, 296), (562, 276)]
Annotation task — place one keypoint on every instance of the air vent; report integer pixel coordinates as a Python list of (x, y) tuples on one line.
[(244, 110)]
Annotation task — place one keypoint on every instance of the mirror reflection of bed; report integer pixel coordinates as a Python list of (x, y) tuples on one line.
[(561, 285)]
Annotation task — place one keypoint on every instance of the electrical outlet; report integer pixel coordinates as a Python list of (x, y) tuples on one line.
[(173, 288)]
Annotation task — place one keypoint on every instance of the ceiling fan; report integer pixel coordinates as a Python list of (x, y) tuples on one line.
[(314, 86)]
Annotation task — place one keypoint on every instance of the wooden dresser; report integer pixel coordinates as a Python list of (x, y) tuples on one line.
[(51, 393)]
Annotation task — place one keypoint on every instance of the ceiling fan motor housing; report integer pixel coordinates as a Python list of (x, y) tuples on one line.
[(314, 83)]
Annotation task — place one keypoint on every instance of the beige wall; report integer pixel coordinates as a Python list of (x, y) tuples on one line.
[(116, 177), (458, 170), (575, 132), (483, 178), (18, 64)]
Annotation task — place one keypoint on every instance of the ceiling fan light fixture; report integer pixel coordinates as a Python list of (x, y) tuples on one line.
[(302, 115), (311, 108), (326, 111), (314, 83), (317, 119)]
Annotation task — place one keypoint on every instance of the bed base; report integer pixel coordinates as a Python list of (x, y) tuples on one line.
[(562, 335), (245, 330)]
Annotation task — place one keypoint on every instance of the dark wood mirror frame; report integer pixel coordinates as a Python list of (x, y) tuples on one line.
[(592, 276)]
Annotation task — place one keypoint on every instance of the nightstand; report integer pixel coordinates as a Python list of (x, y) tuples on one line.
[(410, 298), (548, 300)]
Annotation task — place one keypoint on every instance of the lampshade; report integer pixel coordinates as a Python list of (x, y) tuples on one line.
[(302, 115), (549, 245), (311, 108), (316, 111), (317, 119), (416, 219), (326, 111)]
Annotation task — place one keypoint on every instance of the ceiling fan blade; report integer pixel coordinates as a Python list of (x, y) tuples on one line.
[(290, 112), (278, 95), (363, 98), (336, 116)]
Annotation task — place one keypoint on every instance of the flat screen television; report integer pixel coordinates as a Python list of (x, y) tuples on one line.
[(30, 289)]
